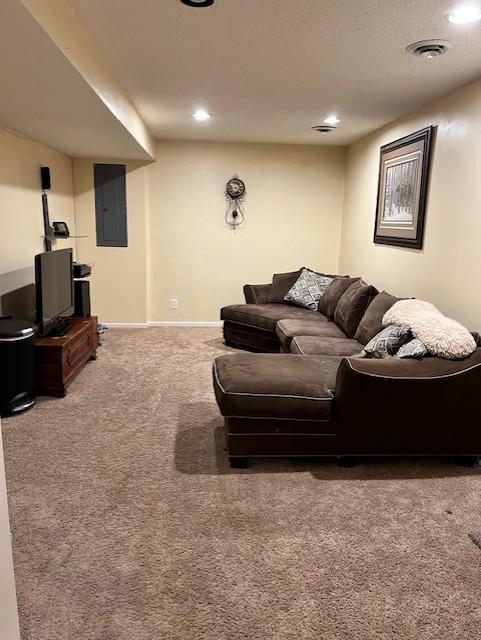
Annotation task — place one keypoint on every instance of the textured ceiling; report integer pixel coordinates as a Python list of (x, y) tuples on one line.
[(270, 69)]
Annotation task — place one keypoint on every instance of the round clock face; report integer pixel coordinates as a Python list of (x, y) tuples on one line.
[(235, 188)]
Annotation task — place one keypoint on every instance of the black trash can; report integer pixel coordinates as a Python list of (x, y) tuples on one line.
[(17, 366)]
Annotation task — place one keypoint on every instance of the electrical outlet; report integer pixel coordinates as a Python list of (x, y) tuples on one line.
[(174, 303)]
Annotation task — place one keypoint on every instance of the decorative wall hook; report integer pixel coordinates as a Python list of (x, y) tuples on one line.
[(235, 194)]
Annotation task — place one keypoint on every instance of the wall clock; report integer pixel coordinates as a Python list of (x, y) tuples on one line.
[(235, 188), (235, 193)]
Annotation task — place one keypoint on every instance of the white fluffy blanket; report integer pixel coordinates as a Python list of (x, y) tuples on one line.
[(443, 336)]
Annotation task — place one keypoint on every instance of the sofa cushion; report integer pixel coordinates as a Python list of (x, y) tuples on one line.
[(281, 283), (308, 289), (312, 345), (257, 293), (330, 367), (352, 306), (271, 386), (315, 326), (334, 292), (477, 338), (388, 341), (264, 316), (371, 322)]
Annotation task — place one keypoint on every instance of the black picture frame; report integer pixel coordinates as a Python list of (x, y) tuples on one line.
[(410, 158)]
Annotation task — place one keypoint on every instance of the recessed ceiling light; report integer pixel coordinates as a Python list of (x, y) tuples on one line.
[(332, 120), (198, 3), (201, 115), (465, 14)]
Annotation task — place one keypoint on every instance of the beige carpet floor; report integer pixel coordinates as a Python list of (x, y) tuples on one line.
[(128, 524)]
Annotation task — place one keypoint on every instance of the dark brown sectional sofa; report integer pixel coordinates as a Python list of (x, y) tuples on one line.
[(312, 395)]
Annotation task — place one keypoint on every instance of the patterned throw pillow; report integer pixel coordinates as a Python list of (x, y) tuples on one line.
[(412, 349), (308, 289), (387, 341)]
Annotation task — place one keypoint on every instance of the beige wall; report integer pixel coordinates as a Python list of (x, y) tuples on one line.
[(119, 274), (447, 271), (21, 218), (293, 212), (179, 245), (21, 198)]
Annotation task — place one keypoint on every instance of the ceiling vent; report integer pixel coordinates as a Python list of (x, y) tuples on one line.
[(324, 128), (429, 48), (198, 3)]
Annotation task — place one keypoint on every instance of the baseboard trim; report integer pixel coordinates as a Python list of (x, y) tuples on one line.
[(146, 325), (218, 323), (125, 325)]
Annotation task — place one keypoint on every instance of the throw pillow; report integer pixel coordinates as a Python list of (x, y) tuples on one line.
[(412, 349), (308, 289), (334, 292), (282, 283), (387, 341), (371, 322), (352, 305)]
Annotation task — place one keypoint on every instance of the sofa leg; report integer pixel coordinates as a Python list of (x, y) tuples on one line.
[(238, 463), (346, 461), (467, 461)]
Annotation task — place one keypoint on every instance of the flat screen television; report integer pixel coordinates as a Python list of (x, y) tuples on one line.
[(54, 289)]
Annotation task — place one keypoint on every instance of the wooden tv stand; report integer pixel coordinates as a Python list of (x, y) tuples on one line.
[(58, 360)]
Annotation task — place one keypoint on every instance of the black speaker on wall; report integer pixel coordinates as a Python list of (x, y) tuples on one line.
[(81, 296), (45, 175)]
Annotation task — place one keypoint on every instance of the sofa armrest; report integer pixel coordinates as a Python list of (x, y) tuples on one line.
[(257, 293), (418, 407)]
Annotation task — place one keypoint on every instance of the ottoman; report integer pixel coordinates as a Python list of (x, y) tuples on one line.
[(275, 405)]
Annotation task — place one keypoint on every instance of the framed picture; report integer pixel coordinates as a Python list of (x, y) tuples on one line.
[(402, 190)]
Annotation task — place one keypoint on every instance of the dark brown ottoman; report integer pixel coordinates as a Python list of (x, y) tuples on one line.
[(274, 405)]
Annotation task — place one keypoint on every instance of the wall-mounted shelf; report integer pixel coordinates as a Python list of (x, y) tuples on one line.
[(62, 238)]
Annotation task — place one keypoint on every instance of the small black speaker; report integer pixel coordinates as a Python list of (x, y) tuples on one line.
[(45, 175), (81, 296)]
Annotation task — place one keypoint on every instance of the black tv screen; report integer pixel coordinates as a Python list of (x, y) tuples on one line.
[(54, 285)]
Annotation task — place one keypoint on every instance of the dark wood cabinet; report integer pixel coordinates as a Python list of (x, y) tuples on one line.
[(58, 360)]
